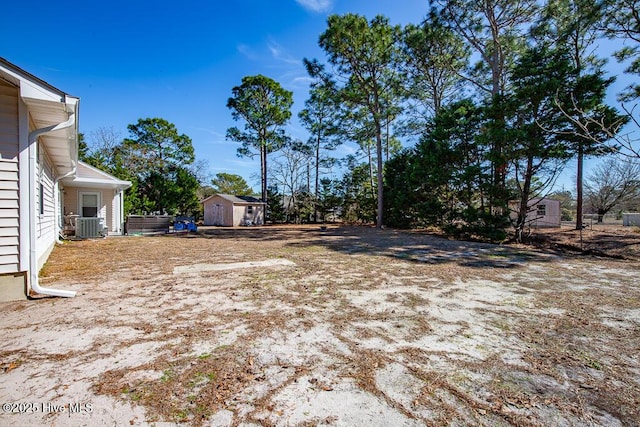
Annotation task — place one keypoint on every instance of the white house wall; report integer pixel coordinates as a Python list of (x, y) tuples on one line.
[(9, 174), (107, 204), (46, 232), (116, 220), (112, 210)]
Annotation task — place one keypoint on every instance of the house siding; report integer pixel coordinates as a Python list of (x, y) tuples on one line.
[(9, 177), (45, 215), (116, 213), (112, 210), (90, 173), (72, 203)]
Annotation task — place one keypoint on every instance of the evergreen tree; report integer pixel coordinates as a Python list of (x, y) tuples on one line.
[(365, 55), (265, 108), (157, 155)]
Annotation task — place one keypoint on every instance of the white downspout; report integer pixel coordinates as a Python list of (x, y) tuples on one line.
[(33, 255)]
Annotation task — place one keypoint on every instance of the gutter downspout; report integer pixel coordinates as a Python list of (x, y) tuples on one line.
[(33, 256)]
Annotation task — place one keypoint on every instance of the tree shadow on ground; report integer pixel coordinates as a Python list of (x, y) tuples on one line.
[(620, 243), (412, 246)]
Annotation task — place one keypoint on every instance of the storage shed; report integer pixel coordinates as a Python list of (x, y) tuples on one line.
[(541, 212), (631, 219), (231, 211)]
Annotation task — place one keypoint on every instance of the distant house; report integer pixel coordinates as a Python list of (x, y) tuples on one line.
[(541, 212), (231, 211), (39, 171)]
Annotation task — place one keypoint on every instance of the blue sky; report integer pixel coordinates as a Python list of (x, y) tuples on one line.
[(134, 59)]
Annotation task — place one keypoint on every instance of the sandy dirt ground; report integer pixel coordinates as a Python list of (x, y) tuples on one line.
[(605, 240), (296, 326)]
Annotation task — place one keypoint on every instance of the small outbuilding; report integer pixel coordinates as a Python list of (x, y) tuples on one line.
[(232, 211), (631, 219), (541, 212)]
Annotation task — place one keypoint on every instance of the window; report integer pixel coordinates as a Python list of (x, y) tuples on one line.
[(89, 205), (250, 210), (541, 210)]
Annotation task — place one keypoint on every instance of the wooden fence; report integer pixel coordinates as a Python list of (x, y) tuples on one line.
[(148, 224)]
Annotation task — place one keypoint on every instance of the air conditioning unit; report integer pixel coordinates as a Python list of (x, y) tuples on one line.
[(89, 227)]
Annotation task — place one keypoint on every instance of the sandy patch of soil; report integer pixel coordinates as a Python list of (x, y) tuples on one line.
[(349, 326)]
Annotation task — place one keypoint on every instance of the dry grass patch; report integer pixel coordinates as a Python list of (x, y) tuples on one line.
[(367, 327)]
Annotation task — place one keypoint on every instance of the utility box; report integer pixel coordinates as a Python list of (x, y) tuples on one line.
[(89, 227)]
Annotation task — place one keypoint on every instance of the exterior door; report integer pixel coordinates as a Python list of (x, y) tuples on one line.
[(218, 215)]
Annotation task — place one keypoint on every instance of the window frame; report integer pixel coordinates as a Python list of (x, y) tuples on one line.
[(81, 195)]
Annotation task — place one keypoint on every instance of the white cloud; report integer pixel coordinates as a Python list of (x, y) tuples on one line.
[(302, 81), (280, 54), (316, 5), (287, 69), (247, 51)]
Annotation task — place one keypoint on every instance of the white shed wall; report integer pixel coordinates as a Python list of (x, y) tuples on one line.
[(551, 218), (241, 214), (218, 211)]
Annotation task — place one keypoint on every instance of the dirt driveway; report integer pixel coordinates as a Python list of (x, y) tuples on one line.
[(345, 327)]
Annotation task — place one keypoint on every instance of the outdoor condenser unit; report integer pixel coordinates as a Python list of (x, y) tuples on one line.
[(89, 227)]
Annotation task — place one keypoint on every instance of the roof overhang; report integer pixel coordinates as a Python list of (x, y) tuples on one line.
[(87, 176), (48, 107), (96, 183)]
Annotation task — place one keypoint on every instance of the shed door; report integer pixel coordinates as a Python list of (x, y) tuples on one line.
[(218, 214), (214, 215)]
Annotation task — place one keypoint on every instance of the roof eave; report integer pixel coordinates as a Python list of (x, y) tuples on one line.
[(48, 106)]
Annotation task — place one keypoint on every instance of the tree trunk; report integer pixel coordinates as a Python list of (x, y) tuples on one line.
[(371, 181), (579, 173), (263, 167), (387, 139), (379, 222), (579, 196), (315, 199), (524, 200)]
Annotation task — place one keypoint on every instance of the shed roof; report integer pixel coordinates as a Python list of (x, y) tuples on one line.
[(243, 200)]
